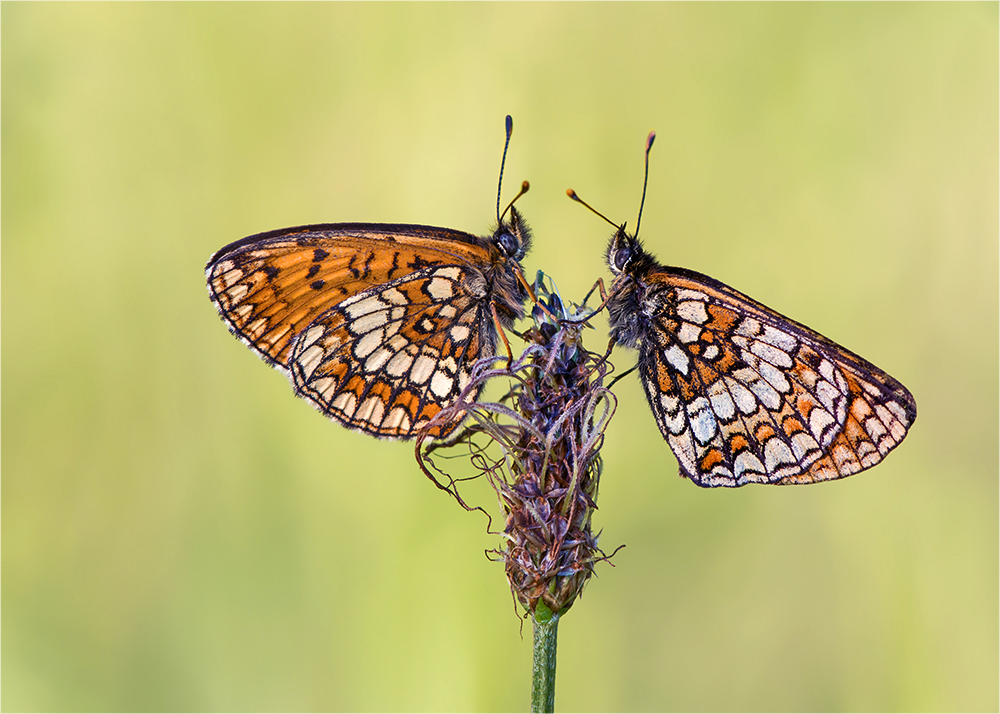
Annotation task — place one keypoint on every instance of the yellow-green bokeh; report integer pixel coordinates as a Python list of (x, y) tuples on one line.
[(179, 532)]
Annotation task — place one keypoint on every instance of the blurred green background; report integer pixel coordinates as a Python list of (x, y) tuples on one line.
[(180, 533)]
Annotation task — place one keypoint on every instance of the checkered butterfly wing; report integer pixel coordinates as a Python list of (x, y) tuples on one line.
[(745, 395), (376, 325), (389, 359)]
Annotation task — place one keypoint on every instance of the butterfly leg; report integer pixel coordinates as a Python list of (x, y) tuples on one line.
[(604, 358), (503, 335), (605, 298), (627, 371), (599, 286)]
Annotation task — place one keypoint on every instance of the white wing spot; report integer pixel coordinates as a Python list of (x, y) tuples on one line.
[(722, 403), (900, 413), (394, 296), (368, 344), (356, 307), (684, 294), (782, 340), (827, 395), (748, 327), (367, 323), (237, 292), (744, 399), (775, 377), (670, 403), (702, 420), (767, 394), (398, 419), (683, 448), (310, 336), (399, 365), (693, 311), (678, 359), (309, 359), (802, 444), (771, 354), (675, 421), (378, 358), (227, 273), (371, 410), (688, 333), (325, 386), (746, 462), (396, 342), (826, 369), (441, 384), (345, 403), (423, 367), (439, 288), (819, 420), (452, 272), (776, 453)]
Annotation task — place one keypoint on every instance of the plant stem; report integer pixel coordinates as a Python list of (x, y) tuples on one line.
[(543, 670)]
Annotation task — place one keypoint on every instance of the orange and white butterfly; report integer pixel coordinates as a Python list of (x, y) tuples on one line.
[(742, 393), (377, 325)]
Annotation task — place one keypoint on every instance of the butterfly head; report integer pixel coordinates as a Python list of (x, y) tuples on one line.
[(626, 256), (507, 245), (512, 238), (622, 251)]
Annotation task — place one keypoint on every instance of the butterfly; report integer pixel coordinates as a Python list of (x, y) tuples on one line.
[(378, 326), (741, 393)]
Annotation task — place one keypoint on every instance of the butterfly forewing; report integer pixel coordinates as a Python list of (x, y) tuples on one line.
[(270, 286), (745, 395), (386, 361)]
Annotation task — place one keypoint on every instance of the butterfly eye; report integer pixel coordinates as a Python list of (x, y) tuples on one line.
[(509, 244), (622, 257)]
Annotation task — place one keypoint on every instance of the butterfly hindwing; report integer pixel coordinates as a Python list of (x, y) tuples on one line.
[(745, 395), (390, 358)]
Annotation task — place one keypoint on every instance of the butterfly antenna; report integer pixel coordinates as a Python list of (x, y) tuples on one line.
[(572, 194), (510, 130), (645, 179)]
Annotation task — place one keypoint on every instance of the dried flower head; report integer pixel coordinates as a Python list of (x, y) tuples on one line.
[(539, 447)]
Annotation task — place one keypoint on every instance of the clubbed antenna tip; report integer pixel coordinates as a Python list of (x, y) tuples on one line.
[(645, 179), (524, 189), (572, 194)]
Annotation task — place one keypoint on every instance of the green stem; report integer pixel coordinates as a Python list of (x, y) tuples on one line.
[(543, 670)]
